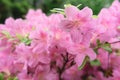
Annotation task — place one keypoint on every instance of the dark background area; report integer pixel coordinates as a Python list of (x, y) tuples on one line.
[(18, 8)]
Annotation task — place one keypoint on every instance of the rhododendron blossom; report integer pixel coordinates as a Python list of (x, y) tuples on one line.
[(70, 45)]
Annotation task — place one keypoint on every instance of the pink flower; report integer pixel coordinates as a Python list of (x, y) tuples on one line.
[(58, 45), (54, 20), (76, 18), (81, 52), (36, 17), (72, 74), (79, 24)]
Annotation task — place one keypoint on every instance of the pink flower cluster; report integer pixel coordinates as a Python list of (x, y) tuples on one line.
[(74, 46)]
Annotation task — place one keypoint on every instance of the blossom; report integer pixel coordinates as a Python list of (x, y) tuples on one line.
[(73, 46), (78, 22)]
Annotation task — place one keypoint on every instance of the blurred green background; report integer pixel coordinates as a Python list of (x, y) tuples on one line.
[(18, 8)]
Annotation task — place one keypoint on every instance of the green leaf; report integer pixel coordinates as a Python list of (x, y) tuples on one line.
[(96, 50), (15, 78), (1, 76), (19, 36), (95, 16), (97, 46), (26, 40), (78, 5), (67, 5), (12, 78), (6, 33), (98, 43), (106, 46), (58, 10), (83, 63), (95, 62)]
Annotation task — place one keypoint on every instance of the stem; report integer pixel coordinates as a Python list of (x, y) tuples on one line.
[(114, 42), (61, 70), (66, 60), (108, 60)]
